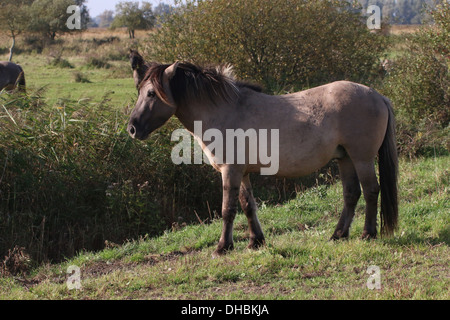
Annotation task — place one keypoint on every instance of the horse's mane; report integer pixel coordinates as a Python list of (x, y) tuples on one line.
[(191, 82)]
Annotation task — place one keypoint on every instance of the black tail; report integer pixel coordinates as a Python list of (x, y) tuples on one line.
[(388, 170), (20, 82)]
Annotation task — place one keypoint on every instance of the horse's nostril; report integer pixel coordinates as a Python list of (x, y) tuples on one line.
[(132, 130)]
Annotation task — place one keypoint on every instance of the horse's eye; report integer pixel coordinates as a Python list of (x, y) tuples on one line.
[(151, 94)]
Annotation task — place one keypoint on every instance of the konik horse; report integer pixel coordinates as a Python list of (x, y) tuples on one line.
[(342, 120)]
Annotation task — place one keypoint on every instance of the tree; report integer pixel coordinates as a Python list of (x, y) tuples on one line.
[(14, 19), (419, 86), (133, 17), (161, 12), (105, 19), (399, 11), (49, 17)]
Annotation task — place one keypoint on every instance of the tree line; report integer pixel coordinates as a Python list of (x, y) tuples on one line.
[(400, 11), (49, 17)]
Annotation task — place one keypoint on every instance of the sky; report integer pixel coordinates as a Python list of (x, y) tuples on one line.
[(97, 7)]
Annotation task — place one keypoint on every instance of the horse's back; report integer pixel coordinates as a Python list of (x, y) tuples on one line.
[(10, 67), (315, 125)]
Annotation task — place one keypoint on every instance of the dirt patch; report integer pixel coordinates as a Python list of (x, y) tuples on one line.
[(102, 268), (91, 270)]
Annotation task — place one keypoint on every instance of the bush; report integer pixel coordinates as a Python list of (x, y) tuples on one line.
[(61, 63), (93, 62), (278, 43), (419, 86), (80, 77)]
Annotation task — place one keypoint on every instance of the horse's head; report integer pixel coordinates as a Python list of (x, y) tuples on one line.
[(136, 59), (155, 104), (138, 65), (164, 88)]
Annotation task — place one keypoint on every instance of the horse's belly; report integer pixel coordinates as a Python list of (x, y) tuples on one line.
[(301, 168), (304, 160)]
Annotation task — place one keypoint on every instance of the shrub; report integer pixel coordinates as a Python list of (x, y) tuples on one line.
[(61, 63), (71, 178), (80, 77), (278, 43), (93, 62), (419, 86)]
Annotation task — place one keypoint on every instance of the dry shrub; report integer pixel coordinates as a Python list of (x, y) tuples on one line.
[(16, 262)]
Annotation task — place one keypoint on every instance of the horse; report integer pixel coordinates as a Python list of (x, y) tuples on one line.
[(343, 120), (138, 65), (11, 76)]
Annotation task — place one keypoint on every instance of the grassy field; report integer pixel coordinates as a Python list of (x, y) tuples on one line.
[(115, 83), (298, 261), (111, 79)]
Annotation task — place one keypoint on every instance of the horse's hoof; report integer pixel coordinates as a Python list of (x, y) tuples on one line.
[(368, 236), (334, 238), (256, 244), (221, 251), (339, 235)]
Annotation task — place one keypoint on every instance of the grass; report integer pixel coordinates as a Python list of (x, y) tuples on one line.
[(105, 64), (298, 261), (115, 82)]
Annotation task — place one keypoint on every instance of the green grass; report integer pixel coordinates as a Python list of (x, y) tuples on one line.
[(116, 82), (298, 261)]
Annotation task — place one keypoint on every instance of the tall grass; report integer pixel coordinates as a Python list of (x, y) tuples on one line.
[(71, 178)]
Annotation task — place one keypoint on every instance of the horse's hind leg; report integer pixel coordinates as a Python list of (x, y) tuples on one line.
[(352, 193), (249, 207), (371, 189)]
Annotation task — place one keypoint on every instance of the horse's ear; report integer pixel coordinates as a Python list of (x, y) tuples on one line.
[(170, 72), (168, 85)]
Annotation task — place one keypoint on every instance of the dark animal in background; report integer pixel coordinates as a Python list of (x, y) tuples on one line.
[(12, 76), (139, 66)]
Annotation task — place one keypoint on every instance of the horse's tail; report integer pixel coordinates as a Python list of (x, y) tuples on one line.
[(388, 170), (21, 83)]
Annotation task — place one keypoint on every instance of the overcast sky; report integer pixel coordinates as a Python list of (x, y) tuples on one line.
[(98, 6)]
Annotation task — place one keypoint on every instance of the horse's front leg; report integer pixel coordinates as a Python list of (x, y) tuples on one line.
[(231, 180), (249, 207)]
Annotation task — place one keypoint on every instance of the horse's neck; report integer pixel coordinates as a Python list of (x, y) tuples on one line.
[(136, 78), (189, 115)]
